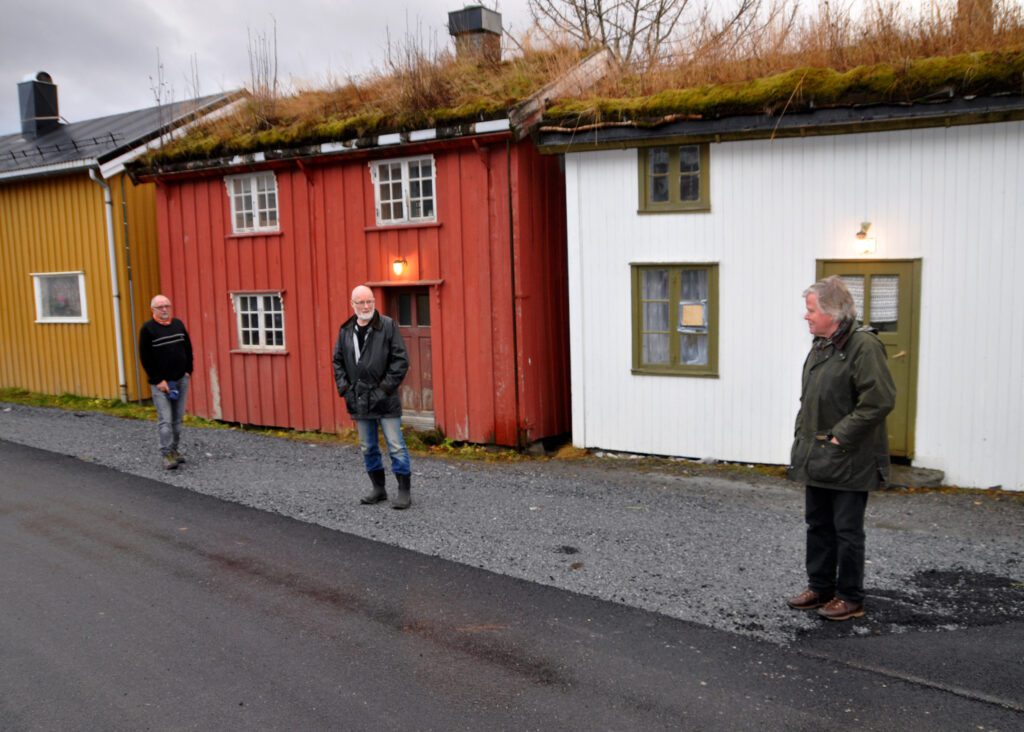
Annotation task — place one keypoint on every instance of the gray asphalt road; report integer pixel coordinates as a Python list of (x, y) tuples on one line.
[(132, 604)]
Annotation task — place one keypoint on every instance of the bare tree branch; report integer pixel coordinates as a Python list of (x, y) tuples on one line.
[(633, 30)]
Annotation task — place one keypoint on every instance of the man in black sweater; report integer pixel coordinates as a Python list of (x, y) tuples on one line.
[(166, 353)]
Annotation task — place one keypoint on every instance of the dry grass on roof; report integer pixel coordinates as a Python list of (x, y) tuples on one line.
[(892, 52), (414, 92)]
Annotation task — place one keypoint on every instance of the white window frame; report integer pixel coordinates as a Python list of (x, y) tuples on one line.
[(261, 328), (248, 202), (37, 278), (406, 185)]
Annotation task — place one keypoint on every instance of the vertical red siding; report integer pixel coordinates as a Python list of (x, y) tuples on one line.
[(538, 189), (486, 389)]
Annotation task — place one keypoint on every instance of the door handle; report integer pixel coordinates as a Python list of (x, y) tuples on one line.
[(901, 354)]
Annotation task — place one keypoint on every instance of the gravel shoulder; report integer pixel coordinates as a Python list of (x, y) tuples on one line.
[(719, 550)]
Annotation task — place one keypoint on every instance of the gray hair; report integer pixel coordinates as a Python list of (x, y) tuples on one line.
[(834, 299)]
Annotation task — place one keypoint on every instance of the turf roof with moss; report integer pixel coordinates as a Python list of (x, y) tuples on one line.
[(422, 95), (807, 89)]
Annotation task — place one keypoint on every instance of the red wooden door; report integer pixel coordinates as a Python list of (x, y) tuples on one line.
[(411, 308)]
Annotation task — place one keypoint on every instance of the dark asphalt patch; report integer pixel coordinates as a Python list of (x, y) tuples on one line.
[(932, 600)]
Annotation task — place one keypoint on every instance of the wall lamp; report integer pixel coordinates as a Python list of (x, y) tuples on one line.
[(865, 244), (399, 266)]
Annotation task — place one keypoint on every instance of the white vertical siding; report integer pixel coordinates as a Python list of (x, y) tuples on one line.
[(948, 196)]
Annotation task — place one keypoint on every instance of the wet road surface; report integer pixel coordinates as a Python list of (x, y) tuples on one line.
[(131, 604)]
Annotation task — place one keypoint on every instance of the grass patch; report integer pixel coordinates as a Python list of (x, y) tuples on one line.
[(75, 403)]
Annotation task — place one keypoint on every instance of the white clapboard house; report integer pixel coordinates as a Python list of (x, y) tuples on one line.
[(691, 241)]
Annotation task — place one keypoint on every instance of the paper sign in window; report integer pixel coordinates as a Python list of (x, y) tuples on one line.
[(693, 317)]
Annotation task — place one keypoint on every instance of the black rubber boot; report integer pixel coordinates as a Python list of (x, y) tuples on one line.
[(403, 499), (378, 493)]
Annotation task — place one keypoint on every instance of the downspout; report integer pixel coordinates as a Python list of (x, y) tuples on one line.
[(131, 285), (108, 209)]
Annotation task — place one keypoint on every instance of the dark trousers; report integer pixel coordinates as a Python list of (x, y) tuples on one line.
[(835, 542)]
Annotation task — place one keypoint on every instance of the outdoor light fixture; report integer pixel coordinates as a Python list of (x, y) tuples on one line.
[(398, 266), (865, 244)]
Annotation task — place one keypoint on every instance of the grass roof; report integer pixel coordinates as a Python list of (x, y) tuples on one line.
[(415, 93), (805, 88), (776, 59)]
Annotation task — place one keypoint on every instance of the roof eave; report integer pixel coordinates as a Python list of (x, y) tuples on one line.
[(405, 142), (833, 121), (43, 171)]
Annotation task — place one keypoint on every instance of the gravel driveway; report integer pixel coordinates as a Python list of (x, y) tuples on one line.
[(718, 550)]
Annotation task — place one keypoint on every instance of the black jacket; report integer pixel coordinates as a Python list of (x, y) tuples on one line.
[(370, 386)]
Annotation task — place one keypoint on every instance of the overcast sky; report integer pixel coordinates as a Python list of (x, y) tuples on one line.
[(102, 54)]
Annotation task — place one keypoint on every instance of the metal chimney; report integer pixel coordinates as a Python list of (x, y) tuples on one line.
[(477, 33), (37, 97)]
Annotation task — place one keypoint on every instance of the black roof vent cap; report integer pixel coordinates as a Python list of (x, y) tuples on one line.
[(37, 99)]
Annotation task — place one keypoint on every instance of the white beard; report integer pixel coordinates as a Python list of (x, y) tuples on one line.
[(359, 318)]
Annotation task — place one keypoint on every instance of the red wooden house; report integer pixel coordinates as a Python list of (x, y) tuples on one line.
[(460, 232)]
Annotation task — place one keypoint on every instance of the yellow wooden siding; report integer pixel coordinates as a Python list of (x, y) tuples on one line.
[(143, 255), (57, 225)]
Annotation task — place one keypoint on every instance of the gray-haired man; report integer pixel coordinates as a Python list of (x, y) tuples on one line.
[(166, 354)]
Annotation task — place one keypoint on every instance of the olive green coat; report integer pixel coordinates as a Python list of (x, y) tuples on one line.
[(847, 393)]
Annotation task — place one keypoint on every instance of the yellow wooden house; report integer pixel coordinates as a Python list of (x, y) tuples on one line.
[(78, 244)]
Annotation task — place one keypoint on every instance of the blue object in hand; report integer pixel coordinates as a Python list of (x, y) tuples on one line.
[(172, 390)]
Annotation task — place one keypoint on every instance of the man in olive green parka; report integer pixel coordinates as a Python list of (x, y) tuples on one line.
[(841, 447)]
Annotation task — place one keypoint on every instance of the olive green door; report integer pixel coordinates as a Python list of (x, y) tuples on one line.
[(887, 294)]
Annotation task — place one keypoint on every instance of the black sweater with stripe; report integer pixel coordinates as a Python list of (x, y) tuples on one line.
[(165, 350)]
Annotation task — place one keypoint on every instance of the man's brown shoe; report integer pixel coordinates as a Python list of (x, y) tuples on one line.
[(839, 609), (807, 600)]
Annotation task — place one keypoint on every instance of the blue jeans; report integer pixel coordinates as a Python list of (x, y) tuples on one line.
[(369, 444), (169, 413)]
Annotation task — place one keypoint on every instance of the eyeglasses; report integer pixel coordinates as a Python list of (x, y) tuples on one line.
[(161, 307), (362, 303)]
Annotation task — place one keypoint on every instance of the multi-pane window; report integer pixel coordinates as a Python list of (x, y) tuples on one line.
[(404, 190), (880, 307), (60, 297), (675, 319), (253, 199), (260, 321), (674, 178)]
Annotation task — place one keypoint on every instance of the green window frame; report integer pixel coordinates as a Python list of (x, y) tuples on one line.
[(674, 178), (675, 319)]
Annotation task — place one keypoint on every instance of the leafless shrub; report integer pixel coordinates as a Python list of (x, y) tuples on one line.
[(163, 95), (263, 85)]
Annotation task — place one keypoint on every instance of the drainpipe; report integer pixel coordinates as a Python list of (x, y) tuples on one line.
[(108, 209), (131, 285)]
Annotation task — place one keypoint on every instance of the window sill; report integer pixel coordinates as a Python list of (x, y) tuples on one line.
[(412, 225), (254, 234), (695, 210), (699, 374), (60, 321), (258, 352)]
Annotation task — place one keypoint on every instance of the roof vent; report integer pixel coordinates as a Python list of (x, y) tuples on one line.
[(477, 33), (37, 97)]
